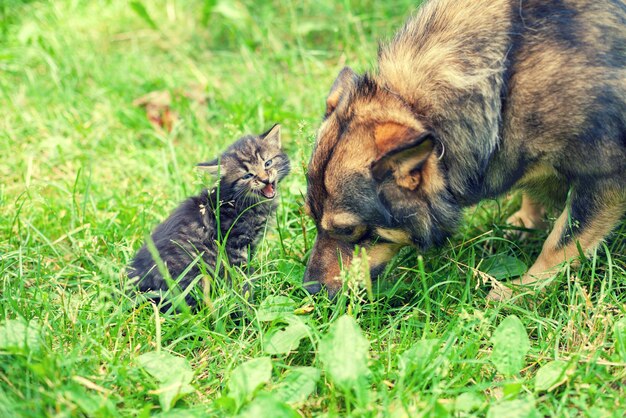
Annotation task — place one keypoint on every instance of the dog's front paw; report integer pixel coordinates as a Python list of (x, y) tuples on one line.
[(499, 293), (527, 220)]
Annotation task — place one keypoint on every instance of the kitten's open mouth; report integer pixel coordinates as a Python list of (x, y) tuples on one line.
[(269, 191)]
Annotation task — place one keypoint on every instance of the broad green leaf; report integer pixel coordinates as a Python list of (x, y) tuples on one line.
[(512, 389), (91, 404), (173, 374), (266, 405), (299, 383), (248, 377), (551, 375), (162, 365), (275, 307), (468, 402), (17, 334), (619, 335), (284, 339), (503, 266), (343, 352), (226, 403), (439, 410), (141, 11), (519, 408), (510, 346), (419, 357)]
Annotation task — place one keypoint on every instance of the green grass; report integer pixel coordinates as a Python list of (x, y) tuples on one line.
[(85, 177)]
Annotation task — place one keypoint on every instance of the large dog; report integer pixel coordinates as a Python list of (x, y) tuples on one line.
[(472, 98)]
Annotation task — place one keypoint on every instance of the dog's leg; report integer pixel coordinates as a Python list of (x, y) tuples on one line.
[(530, 216), (594, 211)]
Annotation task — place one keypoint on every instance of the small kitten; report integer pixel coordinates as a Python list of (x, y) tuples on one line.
[(236, 211)]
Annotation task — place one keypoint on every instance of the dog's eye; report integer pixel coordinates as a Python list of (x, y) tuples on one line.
[(346, 232), (268, 163), (247, 176), (349, 233)]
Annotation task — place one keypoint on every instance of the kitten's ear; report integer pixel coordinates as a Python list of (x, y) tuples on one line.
[(212, 167), (273, 135)]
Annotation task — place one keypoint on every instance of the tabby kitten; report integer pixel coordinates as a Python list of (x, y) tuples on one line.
[(234, 213)]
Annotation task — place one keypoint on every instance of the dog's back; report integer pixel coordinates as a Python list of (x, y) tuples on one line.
[(567, 88), (560, 69)]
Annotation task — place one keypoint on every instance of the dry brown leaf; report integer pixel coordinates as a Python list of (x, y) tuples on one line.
[(304, 310), (158, 110)]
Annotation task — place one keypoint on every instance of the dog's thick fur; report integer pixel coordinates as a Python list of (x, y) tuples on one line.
[(472, 98)]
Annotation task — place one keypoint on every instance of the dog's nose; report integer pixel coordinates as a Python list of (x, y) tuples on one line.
[(310, 281), (313, 287)]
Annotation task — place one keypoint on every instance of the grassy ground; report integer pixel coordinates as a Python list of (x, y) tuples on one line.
[(85, 176)]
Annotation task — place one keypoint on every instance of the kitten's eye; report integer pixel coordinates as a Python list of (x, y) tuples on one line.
[(247, 176), (268, 163)]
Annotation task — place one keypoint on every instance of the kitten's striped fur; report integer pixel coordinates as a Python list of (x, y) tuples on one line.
[(234, 214)]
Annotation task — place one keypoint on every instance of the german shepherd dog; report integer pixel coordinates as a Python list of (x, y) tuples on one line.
[(471, 98)]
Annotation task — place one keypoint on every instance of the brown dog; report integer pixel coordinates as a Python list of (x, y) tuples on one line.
[(471, 98)]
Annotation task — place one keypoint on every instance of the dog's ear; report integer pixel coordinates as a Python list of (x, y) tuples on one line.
[(344, 81), (401, 152), (273, 135), (212, 167)]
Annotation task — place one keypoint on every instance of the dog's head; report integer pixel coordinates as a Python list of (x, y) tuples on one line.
[(375, 181)]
